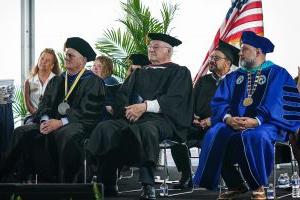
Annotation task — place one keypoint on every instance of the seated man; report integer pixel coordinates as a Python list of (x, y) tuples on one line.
[(247, 119), (69, 110), (153, 104), (219, 63)]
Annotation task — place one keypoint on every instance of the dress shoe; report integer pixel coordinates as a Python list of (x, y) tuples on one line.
[(184, 183), (148, 192), (111, 190)]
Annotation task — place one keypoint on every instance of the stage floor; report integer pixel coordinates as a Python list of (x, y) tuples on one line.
[(198, 193)]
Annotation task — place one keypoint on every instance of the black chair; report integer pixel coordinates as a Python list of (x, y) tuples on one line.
[(164, 145), (282, 146)]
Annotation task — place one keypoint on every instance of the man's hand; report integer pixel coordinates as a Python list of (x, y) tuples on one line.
[(205, 123), (241, 123), (248, 122), (196, 121), (234, 122), (135, 111), (50, 125), (109, 109)]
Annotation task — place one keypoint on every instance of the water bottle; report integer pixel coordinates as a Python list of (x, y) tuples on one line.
[(295, 185), (163, 189), (94, 179), (286, 180), (281, 181), (270, 191)]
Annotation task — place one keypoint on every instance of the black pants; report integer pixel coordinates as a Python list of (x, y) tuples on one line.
[(230, 173), (181, 154), (20, 150), (129, 144), (56, 154)]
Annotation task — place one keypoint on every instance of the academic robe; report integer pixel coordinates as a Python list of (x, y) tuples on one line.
[(252, 148), (203, 93), (63, 146), (111, 87), (171, 85)]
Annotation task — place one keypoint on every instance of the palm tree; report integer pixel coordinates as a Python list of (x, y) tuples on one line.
[(18, 106), (118, 44)]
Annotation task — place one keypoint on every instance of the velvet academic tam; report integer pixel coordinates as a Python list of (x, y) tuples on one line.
[(251, 38), (82, 46), (165, 38)]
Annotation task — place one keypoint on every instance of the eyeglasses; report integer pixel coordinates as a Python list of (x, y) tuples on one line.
[(156, 47), (69, 55), (216, 58)]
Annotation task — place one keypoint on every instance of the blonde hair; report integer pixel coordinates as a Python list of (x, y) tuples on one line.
[(107, 65), (55, 68)]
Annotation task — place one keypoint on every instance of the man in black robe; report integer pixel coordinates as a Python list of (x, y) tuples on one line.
[(153, 104), (69, 110), (219, 63)]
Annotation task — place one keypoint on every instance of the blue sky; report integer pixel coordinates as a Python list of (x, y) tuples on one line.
[(195, 24)]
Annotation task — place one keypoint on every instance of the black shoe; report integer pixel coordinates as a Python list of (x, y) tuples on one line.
[(111, 190), (184, 183), (148, 192)]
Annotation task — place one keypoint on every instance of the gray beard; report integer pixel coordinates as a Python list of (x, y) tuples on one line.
[(247, 64)]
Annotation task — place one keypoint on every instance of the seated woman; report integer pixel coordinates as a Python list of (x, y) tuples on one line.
[(103, 67), (46, 68)]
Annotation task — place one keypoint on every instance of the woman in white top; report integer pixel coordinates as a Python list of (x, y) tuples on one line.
[(35, 85)]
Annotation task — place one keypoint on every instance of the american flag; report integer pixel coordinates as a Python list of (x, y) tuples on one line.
[(243, 15)]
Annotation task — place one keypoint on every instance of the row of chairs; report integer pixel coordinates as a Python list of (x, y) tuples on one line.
[(167, 144)]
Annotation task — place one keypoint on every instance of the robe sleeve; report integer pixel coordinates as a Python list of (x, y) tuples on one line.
[(196, 94), (123, 96), (271, 109), (177, 102), (292, 103), (46, 105), (220, 104)]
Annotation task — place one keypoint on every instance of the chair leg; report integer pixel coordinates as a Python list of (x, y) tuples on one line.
[(166, 164), (292, 159), (85, 162), (274, 171), (221, 185)]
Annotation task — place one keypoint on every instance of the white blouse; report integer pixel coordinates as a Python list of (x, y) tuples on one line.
[(37, 89)]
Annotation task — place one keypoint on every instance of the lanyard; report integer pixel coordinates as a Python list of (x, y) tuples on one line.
[(67, 94)]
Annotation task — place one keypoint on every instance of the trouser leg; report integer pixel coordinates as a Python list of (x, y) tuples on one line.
[(147, 174), (230, 172), (19, 153)]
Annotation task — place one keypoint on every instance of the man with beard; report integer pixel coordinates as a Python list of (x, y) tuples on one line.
[(67, 113), (219, 63), (153, 104), (248, 117)]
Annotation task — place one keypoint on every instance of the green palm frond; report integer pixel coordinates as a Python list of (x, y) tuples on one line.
[(19, 108), (137, 23), (115, 44), (61, 60), (168, 13)]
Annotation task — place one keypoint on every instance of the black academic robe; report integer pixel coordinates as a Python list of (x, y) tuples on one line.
[(204, 91), (63, 146), (171, 85), (85, 101)]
